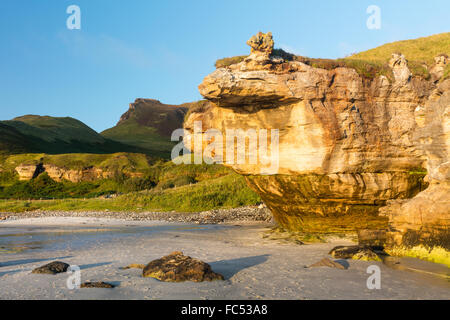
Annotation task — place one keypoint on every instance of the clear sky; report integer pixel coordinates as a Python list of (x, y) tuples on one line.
[(163, 49)]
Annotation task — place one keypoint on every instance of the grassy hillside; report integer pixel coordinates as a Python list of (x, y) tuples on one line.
[(116, 161), (420, 49), (148, 139), (419, 52), (223, 192), (51, 135), (13, 141), (132, 172), (163, 186), (148, 124), (54, 129)]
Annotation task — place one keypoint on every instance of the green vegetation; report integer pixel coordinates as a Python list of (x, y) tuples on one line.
[(159, 185), (126, 162), (421, 49), (53, 128), (43, 187), (225, 62), (436, 254), (144, 137), (51, 135), (366, 68), (446, 73), (419, 52), (148, 125), (223, 192)]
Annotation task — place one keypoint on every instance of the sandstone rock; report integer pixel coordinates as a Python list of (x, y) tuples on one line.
[(261, 43), (371, 237), (425, 219), (28, 172), (399, 66), (97, 285), (355, 253), (347, 145), (85, 174), (325, 262), (52, 268), (177, 267), (437, 70)]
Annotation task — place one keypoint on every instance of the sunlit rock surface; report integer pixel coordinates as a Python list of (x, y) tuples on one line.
[(348, 145)]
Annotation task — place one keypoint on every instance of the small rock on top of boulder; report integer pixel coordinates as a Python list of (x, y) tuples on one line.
[(97, 285), (52, 268), (176, 267)]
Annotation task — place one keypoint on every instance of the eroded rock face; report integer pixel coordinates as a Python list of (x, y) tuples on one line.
[(85, 174), (347, 144), (28, 172), (441, 62)]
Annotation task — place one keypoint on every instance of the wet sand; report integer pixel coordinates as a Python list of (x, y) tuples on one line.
[(254, 268)]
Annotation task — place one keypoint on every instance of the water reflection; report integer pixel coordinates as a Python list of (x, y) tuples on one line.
[(22, 239)]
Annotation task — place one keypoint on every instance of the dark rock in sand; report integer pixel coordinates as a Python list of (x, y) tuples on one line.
[(52, 268), (97, 285), (177, 267), (354, 252), (325, 262)]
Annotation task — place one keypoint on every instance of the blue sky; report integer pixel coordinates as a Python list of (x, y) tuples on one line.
[(163, 49)]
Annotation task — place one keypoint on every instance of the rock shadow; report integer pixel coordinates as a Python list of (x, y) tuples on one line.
[(9, 272), (93, 265), (26, 261), (228, 268), (343, 263)]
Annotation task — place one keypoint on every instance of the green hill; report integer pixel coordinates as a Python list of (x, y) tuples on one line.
[(148, 124), (420, 49), (51, 135)]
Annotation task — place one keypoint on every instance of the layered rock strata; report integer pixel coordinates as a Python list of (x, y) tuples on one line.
[(347, 145)]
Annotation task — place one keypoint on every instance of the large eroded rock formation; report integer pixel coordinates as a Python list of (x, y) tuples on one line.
[(347, 144)]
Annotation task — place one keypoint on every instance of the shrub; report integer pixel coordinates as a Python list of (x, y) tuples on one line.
[(176, 182), (225, 62)]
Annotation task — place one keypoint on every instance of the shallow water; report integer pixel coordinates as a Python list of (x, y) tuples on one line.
[(254, 268), (38, 238)]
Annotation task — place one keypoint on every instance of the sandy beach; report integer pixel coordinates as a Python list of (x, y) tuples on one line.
[(253, 267)]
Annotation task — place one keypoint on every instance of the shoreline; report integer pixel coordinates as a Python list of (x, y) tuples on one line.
[(254, 267), (215, 216)]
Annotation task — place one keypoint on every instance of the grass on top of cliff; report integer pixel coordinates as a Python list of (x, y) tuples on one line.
[(419, 52), (420, 49), (223, 192)]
